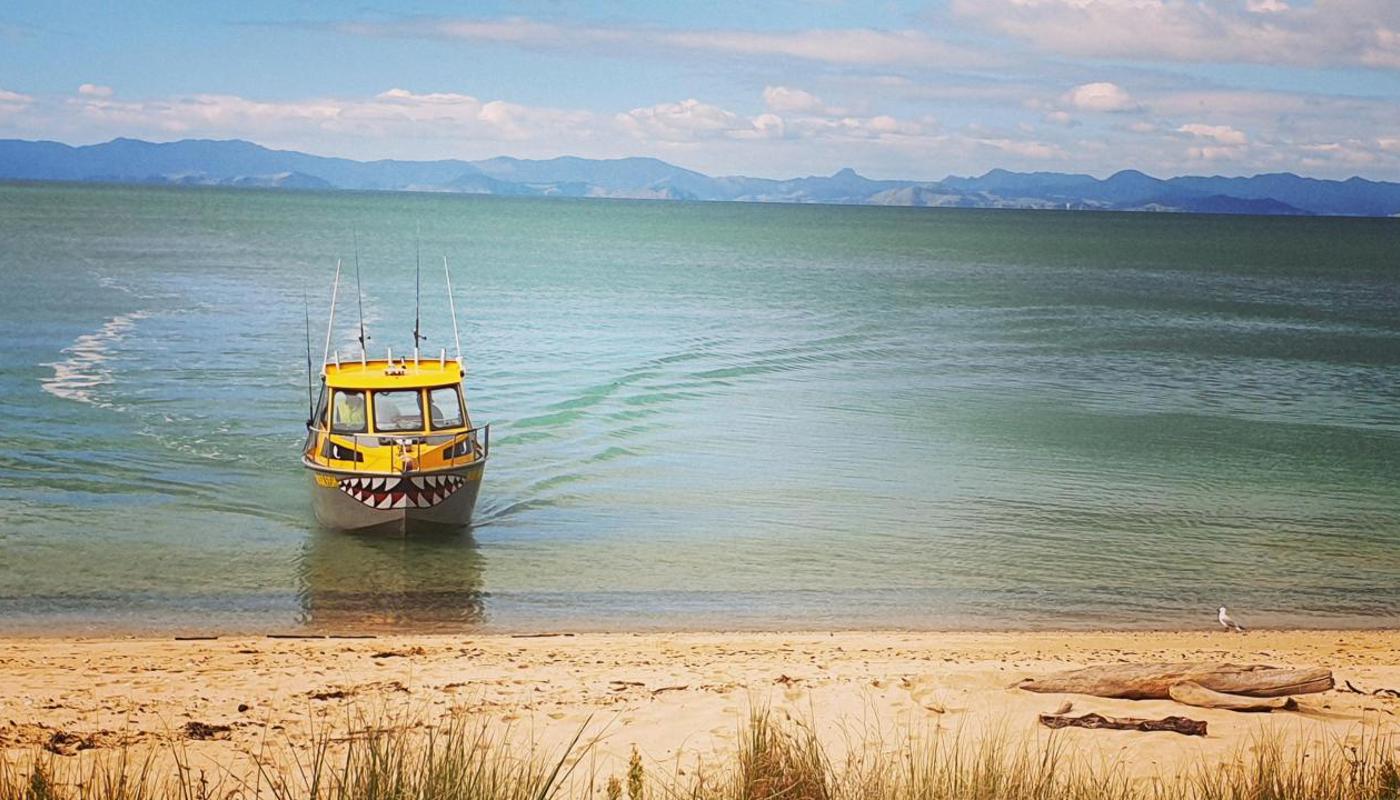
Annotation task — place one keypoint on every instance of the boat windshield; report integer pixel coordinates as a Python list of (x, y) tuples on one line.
[(349, 414), (319, 415), (398, 410), (446, 406)]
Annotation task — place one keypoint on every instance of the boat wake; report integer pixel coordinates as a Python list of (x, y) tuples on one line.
[(80, 376)]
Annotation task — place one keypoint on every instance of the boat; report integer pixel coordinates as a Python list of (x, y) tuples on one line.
[(390, 444)]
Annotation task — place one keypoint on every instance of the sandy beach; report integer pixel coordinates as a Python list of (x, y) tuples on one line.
[(675, 697)]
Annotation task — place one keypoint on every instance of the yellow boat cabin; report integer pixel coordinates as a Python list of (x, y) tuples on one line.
[(394, 437)]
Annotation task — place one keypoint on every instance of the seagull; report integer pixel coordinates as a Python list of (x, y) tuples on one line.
[(1229, 623)]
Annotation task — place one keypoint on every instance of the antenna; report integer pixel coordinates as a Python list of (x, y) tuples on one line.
[(452, 305), (417, 286), (360, 299), (330, 324), (310, 400)]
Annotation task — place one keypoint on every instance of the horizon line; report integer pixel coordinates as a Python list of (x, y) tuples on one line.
[(1353, 177)]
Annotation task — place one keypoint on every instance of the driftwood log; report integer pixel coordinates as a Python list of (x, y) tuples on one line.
[(1194, 694), (1154, 681), (1182, 725)]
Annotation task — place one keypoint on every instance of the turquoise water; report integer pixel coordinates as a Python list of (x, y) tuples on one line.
[(708, 415)]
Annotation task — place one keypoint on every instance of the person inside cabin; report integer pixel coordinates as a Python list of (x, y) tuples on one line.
[(398, 410), (349, 412)]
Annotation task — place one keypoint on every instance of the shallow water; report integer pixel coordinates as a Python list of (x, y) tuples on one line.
[(708, 415)]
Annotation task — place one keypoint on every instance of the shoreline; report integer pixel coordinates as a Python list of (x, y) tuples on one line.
[(675, 696), (181, 635), (95, 629)]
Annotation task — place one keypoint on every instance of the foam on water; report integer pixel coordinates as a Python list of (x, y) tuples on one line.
[(87, 368)]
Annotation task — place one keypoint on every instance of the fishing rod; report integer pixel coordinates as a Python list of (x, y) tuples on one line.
[(452, 305), (310, 399), (330, 324), (360, 299), (417, 285)]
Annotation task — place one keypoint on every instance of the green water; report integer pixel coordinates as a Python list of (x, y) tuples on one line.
[(708, 415)]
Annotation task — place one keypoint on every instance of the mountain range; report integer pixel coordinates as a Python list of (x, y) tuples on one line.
[(199, 162)]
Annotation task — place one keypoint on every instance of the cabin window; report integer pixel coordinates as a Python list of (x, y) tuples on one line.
[(398, 410), (349, 412), (446, 406), (319, 417)]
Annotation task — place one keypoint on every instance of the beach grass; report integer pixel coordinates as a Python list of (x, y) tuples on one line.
[(466, 758)]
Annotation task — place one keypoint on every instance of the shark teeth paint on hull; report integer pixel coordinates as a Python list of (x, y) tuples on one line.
[(419, 491)]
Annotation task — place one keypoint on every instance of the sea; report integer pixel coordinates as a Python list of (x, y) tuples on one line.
[(704, 416)]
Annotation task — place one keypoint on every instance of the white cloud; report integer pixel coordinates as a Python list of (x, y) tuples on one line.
[(1297, 112), (1220, 133), (94, 90), (1025, 148), (782, 100), (13, 102), (1100, 96), (881, 127), (393, 116), (515, 30), (1219, 143), (806, 118), (686, 121), (1385, 52), (830, 45), (841, 46), (1213, 153), (1325, 32), (769, 126), (406, 98)]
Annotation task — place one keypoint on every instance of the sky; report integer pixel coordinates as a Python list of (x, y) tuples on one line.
[(783, 88)]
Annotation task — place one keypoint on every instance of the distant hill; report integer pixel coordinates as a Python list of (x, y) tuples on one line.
[(238, 163)]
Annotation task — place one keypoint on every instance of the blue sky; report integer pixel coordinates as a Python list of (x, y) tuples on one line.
[(782, 88)]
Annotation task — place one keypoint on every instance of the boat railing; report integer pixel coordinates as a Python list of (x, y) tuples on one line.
[(474, 446)]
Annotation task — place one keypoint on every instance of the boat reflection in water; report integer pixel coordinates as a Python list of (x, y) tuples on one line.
[(364, 582)]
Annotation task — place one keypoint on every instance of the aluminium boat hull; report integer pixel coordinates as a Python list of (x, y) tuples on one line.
[(354, 501)]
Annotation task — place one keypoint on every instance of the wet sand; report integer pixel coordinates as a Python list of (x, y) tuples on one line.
[(676, 697)]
